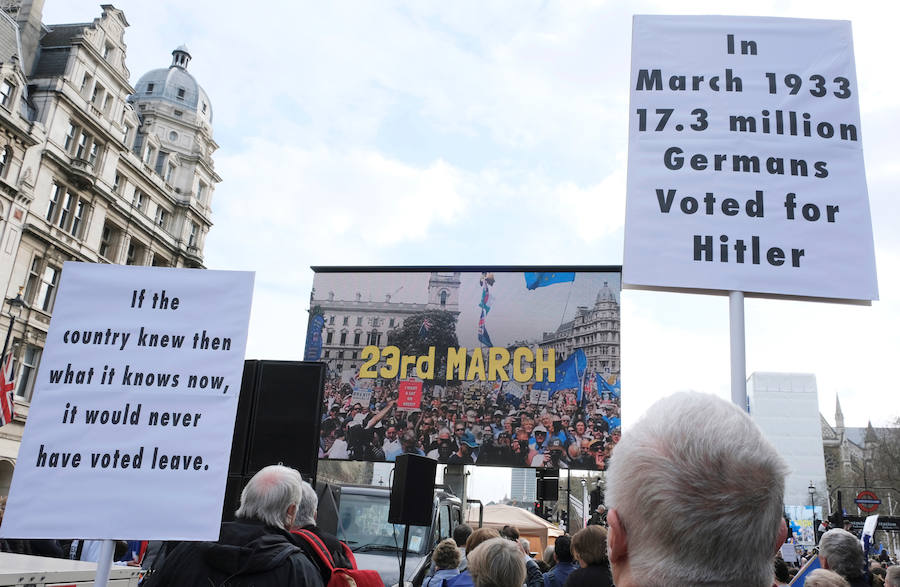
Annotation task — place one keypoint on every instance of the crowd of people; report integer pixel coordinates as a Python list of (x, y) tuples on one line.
[(472, 423), (694, 496)]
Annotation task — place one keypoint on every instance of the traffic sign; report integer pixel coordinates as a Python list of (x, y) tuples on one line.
[(867, 501)]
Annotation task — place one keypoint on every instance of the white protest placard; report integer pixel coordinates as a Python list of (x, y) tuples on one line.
[(130, 426), (745, 162)]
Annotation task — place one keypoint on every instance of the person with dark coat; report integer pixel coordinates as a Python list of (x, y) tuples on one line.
[(589, 550), (256, 549), (306, 520), (565, 565)]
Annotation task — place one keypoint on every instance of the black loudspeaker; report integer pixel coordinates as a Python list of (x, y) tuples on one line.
[(238, 463), (285, 416), (412, 494), (547, 489), (233, 487)]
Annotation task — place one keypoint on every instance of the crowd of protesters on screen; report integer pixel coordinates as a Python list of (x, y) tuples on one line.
[(470, 423)]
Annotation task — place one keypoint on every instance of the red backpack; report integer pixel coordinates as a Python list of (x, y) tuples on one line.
[(340, 577)]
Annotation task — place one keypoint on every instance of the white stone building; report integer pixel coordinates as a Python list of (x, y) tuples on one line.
[(91, 169)]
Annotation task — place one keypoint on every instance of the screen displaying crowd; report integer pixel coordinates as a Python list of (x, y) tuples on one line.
[(473, 423)]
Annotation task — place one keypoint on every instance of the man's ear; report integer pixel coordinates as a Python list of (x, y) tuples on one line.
[(782, 535), (291, 515), (616, 538)]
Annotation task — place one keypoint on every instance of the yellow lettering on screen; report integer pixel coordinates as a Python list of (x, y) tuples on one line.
[(545, 364), (425, 365), (498, 359), (523, 356), (405, 363), (456, 363), (476, 367), (391, 356)]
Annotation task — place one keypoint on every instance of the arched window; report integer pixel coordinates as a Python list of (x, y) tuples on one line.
[(444, 298), (5, 156)]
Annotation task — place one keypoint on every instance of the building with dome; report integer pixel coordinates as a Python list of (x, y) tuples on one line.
[(91, 169)]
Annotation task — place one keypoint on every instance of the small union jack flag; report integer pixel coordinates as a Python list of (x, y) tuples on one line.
[(7, 404), (426, 326)]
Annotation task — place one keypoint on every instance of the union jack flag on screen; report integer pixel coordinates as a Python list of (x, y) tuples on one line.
[(6, 391)]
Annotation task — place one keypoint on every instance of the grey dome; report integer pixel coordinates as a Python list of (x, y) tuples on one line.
[(175, 85)]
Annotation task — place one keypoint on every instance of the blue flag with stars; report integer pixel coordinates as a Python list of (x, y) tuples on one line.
[(536, 280)]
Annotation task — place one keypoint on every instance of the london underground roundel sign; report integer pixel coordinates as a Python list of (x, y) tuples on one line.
[(867, 501)]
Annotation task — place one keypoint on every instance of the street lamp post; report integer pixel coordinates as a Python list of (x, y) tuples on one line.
[(812, 508), (15, 310)]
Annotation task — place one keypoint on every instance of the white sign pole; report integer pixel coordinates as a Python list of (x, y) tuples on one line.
[(104, 563), (738, 350)]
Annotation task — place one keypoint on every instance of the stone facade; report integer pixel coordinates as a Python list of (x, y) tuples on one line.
[(91, 169)]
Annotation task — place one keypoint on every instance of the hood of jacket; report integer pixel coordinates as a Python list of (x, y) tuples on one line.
[(247, 547)]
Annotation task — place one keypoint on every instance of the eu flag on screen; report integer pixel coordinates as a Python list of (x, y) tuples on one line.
[(569, 372), (536, 280), (603, 385)]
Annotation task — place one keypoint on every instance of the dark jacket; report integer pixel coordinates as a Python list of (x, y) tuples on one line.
[(247, 553), (334, 546), (556, 577), (591, 576)]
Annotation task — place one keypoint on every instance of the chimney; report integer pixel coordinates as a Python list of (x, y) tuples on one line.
[(29, 21)]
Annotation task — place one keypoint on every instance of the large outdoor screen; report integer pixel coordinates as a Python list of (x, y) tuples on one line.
[(508, 367)]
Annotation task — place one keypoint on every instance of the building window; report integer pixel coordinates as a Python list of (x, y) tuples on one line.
[(27, 370), (162, 217), (70, 136), (47, 289), (170, 171), (359, 321), (97, 96), (192, 237), (82, 145), (94, 152), (173, 136), (140, 200), (5, 156), (107, 100), (201, 192), (117, 183), (203, 108), (85, 83), (331, 320), (391, 323), (356, 338), (443, 298), (107, 241), (149, 154), (77, 218), (150, 88), (107, 50), (329, 337), (54, 201), (346, 320), (181, 93), (129, 136), (135, 254), (179, 113), (6, 93)]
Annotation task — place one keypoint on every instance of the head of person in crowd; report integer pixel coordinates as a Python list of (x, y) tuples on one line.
[(562, 549), (693, 469), (272, 496), (446, 555), (825, 578), (478, 536), (444, 444), (841, 552), (782, 574), (589, 546), (497, 562), (615, 435), (459, 431), (409, 442), (573, 451), (548, 555), (525, 546), (461, 533), (503, 440), (309, 504), (510, 533), (892, 576), (556, 449), (540, 435), (391, 433)]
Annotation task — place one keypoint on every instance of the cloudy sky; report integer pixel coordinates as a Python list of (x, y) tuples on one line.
[(478, 133)]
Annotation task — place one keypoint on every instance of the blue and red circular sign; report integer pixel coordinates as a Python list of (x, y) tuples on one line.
[(867, 501)]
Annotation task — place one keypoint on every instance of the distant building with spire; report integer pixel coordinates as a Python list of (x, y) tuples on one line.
[(849, 454)]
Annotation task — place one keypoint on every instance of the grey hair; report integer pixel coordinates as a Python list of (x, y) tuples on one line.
[(843, 552), (689, 473), (497, 562), (525, 545), (309, 503), (825, 578), (892, 576), (269, 494)]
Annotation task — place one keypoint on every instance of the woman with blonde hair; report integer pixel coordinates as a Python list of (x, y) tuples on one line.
[(497, 563)]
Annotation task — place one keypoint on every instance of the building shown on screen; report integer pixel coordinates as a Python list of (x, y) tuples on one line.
[(504, 368), (91, 169)]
